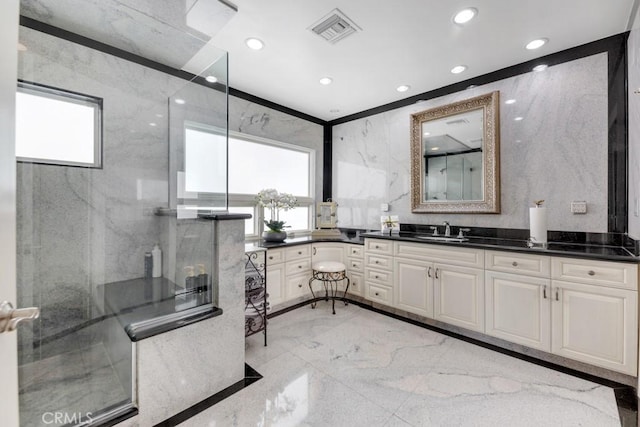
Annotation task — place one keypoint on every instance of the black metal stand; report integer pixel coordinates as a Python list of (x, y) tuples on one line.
[(256, 296), (330, 282)]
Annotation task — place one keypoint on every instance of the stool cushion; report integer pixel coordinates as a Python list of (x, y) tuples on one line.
[(329, 267)]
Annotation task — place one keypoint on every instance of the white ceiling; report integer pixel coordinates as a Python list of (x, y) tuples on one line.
[(411, 42)]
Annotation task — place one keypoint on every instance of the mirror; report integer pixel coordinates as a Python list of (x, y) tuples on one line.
[(455, 153)]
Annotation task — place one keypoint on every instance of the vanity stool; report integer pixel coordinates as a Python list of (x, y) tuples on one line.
[(329, 273)]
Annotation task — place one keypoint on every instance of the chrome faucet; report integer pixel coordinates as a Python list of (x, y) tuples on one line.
[(447, 229)]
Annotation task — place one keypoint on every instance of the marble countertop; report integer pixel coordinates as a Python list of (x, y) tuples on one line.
[(564, 249), (147, 307)]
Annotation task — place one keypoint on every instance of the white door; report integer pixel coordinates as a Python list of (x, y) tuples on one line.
[(518, 309), (414, 286), (459, 296), (595, 324), (8, 77)]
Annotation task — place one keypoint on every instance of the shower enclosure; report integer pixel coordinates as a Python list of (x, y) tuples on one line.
[(149, 157)]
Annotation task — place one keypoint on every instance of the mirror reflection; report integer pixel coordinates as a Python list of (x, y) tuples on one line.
[(455, 157), (452, 151)]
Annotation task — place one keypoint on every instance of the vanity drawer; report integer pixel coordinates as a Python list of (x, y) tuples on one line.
[(467, 257), (378, 261), (356, 251), (275, 256), (355, 265), (614, 274), (378, 276), (384, 247), (297, 252), (298, 266), (509, 262), (381, 294)]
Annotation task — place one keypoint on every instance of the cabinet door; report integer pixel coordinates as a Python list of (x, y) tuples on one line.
[(327, 252), (459, 296), (414, 286), (298, 286), (356, 287), (275, 283), (595, 324), (518, 309)]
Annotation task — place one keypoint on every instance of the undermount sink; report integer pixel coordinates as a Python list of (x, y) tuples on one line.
[(443, 239)]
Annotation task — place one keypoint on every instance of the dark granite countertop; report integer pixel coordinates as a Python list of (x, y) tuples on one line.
[(345, 237), (564, 249), (147, 307)]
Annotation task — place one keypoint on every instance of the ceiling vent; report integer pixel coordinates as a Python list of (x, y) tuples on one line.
[(334, 27)]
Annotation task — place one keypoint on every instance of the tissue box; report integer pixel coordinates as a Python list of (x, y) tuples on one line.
[(390, 224)]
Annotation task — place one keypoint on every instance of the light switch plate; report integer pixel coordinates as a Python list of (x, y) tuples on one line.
[(579, 207), (384, 207)]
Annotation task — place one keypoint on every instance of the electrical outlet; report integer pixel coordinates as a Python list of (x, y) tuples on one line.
[(579, 207), (384, 207)]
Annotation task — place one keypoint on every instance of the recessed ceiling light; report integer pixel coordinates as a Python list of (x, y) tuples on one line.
[(435, 148), (458, 69), (326, 81), (465, 15), (253, 43), (180, 101), (510, 101), (403, 88), (152, 124), (159, 115), (537, 43), (540, 67), (211, 79), (517, 119)]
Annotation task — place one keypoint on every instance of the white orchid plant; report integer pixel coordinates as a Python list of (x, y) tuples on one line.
[(270, 198)]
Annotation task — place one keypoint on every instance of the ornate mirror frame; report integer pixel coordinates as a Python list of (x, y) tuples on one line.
[(490, 104)]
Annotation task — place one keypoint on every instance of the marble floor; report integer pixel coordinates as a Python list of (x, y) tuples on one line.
[(361, 368), (77, 382)]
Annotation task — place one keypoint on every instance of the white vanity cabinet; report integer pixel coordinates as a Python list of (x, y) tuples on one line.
[(518, 292), (275, 276), (355, 268), (594, 311), (440, 282), (378, 270), (584, 310)]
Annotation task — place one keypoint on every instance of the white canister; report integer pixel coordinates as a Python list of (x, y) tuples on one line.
[(538, 224), (156, 253)]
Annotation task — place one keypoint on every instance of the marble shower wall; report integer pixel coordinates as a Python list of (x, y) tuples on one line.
[(633, 58), (558, 152)]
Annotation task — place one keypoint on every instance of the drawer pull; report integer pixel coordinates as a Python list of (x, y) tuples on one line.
[(377, 262), (377, 294), (377, 247), (299, 266), (299, 252), (514, 263), (376, 276), (270, 257), (591, 273), (557, 296), (544, 292), (299, 285)]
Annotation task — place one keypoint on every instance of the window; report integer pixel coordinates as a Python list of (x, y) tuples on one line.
[(57, 127), (257, 163)]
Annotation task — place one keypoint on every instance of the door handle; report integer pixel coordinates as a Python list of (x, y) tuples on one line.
[(544, 292), (429, 272), (437, 269), (10, 317)]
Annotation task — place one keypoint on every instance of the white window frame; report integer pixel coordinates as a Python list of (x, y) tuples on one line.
[(250, 199), (74, 98)]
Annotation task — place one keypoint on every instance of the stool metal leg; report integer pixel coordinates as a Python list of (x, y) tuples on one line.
[(313, 304)]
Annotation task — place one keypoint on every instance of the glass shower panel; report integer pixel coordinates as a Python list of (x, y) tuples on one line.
[(198, 183)]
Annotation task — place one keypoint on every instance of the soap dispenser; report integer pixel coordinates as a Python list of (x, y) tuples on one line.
[(190, 282), (156, 254), (203, 278)]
